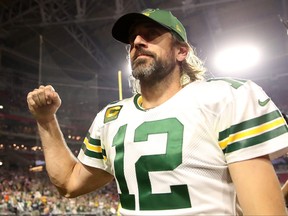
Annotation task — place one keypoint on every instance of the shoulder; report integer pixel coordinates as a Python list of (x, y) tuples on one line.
[(219, 92), (220, 87), (228, 82), (221, 83), (226, 87)]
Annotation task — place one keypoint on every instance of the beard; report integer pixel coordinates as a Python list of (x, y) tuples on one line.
[(152, 68)]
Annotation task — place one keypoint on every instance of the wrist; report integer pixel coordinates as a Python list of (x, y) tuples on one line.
[(46, 120)]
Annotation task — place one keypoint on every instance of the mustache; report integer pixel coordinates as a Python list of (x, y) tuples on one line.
[(141, 51)]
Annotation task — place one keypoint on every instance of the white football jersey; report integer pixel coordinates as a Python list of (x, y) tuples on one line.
[(173, 159)]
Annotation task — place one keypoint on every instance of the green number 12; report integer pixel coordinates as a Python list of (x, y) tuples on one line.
[(179, 196)]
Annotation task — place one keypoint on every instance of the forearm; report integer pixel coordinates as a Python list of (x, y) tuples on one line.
[(59, 159), (71, 177)]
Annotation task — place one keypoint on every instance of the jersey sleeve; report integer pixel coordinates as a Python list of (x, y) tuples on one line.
[(251, 125), (92, 152)]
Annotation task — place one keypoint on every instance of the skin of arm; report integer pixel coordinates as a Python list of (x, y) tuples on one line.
[(70, 177), (257, 187), (285, 189)]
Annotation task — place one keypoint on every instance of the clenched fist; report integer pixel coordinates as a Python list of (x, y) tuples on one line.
[(43, 102)]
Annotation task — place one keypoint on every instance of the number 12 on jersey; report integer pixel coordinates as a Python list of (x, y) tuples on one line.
[(178, 197)]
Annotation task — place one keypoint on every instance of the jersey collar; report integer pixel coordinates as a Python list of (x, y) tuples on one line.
[(138, 102)]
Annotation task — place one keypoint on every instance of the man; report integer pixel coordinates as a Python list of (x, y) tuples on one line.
[(181, 145)]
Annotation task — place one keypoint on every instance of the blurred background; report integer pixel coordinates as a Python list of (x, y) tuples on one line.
[(68, 44)]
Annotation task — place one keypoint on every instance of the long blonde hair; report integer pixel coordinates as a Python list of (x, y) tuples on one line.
[(192, 66)]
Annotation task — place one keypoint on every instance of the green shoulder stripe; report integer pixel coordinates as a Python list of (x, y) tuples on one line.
[(256, 140), (93, 141), (252, 132), (248, 124), (93, 154), (92, 147)]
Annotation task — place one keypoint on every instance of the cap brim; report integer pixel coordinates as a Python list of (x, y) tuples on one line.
[(121, 28)]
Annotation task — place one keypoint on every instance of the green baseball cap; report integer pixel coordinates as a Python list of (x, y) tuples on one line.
[(121, 28)]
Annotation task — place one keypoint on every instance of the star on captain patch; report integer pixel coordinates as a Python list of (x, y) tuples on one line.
[(112, 113)]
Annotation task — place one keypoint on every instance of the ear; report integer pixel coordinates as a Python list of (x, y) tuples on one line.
[(182, 53)]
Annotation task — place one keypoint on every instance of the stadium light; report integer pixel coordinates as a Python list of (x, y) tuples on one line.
[(239, 58)]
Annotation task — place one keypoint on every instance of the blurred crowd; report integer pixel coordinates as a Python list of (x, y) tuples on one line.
[(23, 192), (31, 193)]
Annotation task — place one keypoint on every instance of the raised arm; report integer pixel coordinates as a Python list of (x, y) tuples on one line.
[(257, 186), (71, 177)]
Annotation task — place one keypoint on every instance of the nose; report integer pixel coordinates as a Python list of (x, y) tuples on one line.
[(139, 41)]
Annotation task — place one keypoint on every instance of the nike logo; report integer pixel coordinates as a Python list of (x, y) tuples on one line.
[(263, 103)]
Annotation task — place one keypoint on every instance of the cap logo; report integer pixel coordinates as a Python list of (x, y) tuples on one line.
[(178, 28), (148, 12)]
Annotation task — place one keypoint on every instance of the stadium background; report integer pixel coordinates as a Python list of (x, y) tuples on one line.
[(68, 43)]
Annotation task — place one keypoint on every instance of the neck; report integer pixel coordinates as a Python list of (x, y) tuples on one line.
[(154, 94)]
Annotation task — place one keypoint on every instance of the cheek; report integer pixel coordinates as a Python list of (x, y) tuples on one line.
[(169, 55), (131, 53)]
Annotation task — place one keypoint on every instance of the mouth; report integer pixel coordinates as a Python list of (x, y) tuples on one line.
[(142, 56), (141, 59)]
